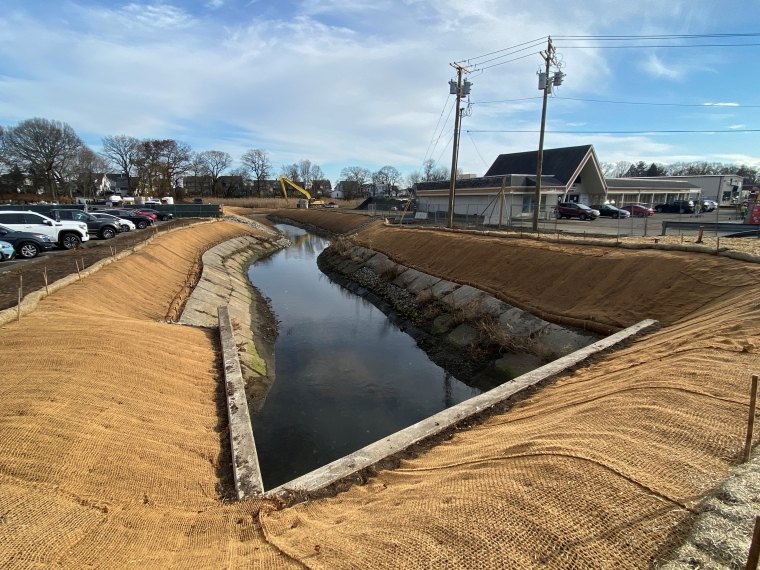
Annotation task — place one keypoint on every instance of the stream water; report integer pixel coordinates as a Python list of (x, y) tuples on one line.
[(345, 375)]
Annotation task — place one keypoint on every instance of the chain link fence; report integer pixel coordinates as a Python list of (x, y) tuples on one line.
[(517, 218)]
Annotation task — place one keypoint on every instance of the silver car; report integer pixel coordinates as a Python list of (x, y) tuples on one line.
[(7, 252)]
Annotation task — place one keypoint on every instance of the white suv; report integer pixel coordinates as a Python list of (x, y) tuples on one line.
[(66, 234)]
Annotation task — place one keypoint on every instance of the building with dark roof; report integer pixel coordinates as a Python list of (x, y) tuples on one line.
[(509, 186), (571, 174)]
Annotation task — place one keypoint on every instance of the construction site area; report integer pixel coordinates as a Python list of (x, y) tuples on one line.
[(116, 449)]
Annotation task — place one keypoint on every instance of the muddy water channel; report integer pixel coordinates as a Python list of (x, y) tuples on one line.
[(345, 375)]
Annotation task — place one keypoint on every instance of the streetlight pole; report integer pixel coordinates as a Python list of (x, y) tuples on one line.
[(548, 58)]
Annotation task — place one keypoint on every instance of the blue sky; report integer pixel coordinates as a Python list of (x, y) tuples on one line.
[(365, 82)]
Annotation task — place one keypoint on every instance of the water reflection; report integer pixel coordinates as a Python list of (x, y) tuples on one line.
[(346, 376)]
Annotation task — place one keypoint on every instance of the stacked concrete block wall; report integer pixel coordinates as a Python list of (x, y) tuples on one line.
[(467, 306)]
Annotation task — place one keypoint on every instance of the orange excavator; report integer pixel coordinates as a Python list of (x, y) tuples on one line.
[(308, 202)]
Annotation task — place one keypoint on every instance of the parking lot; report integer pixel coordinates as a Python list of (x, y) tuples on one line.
[(650, 226), (29, 274)]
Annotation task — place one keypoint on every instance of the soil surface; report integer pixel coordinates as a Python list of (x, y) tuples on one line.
[(30, 273), (113, 437)]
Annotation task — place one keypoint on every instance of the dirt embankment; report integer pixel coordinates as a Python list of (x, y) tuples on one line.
[(112, 445)]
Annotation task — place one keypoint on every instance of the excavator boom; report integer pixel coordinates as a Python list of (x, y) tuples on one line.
[(284, 180)]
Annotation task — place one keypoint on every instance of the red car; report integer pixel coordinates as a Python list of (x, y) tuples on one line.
[(639, 210), (146, 213)]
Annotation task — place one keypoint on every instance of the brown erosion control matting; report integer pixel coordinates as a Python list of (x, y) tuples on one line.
[(111, 441)]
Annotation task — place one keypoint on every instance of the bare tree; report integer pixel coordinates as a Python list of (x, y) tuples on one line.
[(291, 171), (615, 169), (161, 162), (198, 171), (86, 172), (389, 177), (256, 161), (123, 152), (433, 173), (44, 148), (216, 162), (356, 174)]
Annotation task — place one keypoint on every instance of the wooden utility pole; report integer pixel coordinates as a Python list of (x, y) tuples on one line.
[(548, 56), (455, 146)]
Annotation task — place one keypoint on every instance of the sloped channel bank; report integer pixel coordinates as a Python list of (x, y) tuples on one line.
[(477, 337)]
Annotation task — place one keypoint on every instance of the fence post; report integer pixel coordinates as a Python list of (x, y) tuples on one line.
[(751, 419)]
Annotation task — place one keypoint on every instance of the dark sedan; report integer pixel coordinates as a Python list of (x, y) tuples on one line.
[(610, 211), (26, 244), (675, 207), (141, 222)]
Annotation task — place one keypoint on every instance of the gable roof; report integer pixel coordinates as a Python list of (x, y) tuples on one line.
[(561, 163)]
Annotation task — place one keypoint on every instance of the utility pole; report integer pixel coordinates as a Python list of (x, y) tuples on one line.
[(549, 58), (459, 88)]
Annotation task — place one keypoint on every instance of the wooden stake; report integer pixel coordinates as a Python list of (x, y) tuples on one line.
[(112, 250), (701, 231), (754, 548), (20, 288), (44, 274), (78, 273), (83, 264), (751, 420)]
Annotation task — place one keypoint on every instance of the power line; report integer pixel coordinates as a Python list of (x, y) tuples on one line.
[(535, 41), (644, 103), (660, 36), (656, 104), (430, 150), (644, 132), (472, 140), (507, 61), (639, 46)]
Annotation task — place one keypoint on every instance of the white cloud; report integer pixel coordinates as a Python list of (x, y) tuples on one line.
[(655, 67), (339, 82)]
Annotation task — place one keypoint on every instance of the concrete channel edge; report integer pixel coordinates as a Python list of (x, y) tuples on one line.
[(245, 459), (375, 452)]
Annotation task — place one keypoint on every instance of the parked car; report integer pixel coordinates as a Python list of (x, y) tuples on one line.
[(125, 225), (104, 229), (142, 212), (163, 216), (709, 205), (67, 234), (676, 207), (638, 210), (573, 210), (141, 222), (197, 200), (610, 211), (26, 244), (6, 251)]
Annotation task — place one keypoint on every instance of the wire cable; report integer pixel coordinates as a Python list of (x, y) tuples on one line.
[(429, 151), (603, 132)]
